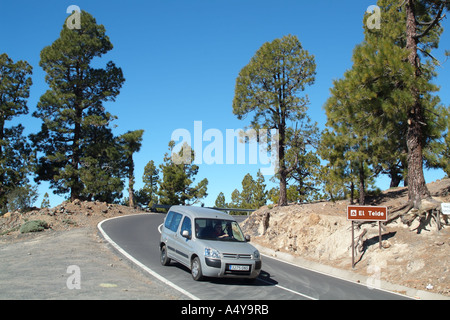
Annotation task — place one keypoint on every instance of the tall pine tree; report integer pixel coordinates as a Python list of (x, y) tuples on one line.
[(369, 108), (72, 109), (130, 142), (423, 30), (269, 87)]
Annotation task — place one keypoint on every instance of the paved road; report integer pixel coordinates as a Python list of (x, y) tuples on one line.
[(137, 237)]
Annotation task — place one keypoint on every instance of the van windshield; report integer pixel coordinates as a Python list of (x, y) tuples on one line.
[(218, 229)]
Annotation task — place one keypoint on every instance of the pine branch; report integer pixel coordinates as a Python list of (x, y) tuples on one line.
[(402, 4), (431, 56), (433, 23)]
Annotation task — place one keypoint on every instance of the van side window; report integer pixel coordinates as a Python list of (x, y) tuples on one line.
[(173, 221), (186, 226)]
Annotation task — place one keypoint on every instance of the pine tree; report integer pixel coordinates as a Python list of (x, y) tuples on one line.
[(369, 108), (354, 140), (220, 201), (248, 192), (336, 175), (178, 177), (253, 194), (45, 201), (236, 200), (269, 86), (15, 153), (148, 195), (273, 195), (73, 106), (422, 34), (130, 143), (260, 193)]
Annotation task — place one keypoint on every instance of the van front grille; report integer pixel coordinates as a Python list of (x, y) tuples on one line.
[(236, 256)]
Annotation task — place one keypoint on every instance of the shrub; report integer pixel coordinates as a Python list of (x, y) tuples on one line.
[(33, 226)]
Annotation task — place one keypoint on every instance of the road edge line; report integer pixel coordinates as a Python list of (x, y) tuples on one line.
[(140, 264)]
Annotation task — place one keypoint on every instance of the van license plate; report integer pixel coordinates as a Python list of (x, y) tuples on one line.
[(234, 267)]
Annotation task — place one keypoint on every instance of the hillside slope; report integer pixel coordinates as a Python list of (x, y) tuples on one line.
[(415, 255), (65, 216)]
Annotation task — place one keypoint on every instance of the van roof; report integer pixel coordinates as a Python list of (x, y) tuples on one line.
[(201, 212)]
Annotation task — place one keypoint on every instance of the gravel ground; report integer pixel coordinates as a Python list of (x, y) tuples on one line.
[(38, 266)]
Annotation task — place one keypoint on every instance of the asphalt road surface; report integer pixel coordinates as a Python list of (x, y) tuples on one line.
[(137, 237)]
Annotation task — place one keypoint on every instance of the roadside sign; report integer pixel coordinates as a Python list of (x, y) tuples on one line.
[(366, 213), (445, 207)]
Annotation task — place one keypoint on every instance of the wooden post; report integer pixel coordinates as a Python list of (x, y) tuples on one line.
[(438, 218), (379, 232), (353, 246)]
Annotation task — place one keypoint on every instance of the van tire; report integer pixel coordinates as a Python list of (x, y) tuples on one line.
[(165, 260), (196, 269)]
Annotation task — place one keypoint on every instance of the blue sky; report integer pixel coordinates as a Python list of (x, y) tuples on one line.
[(181, 58)]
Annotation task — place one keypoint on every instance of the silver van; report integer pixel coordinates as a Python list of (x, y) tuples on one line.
[(209, 242)]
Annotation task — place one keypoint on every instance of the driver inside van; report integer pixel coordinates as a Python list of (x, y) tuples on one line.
[(218, 232)]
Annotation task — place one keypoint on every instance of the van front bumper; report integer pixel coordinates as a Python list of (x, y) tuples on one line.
[(233, 268)]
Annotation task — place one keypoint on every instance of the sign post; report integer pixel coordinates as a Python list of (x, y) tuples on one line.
[(365, 213)]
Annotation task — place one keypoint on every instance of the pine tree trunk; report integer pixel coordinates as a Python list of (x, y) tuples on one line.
[(417, 189), (282, 201), (352, 193), (130, 196), (131, 186), (362, 193), (75, 189), (283, 191), (2, 176)]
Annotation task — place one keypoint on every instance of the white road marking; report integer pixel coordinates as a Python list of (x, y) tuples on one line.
[(290, 290)]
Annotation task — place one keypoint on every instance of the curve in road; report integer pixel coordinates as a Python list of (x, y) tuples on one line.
[(137, 238)]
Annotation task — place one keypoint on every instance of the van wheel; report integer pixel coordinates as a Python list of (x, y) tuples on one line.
[(196, 269), (165, 260)]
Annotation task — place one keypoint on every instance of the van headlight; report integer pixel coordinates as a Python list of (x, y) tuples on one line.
[(256, 255), (212, 253)]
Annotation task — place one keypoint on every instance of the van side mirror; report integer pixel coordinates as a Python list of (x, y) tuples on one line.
[(186, 234), (247, 238)]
